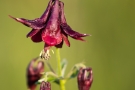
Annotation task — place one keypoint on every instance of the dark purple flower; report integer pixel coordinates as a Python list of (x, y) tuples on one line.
[(34, 70), (45, 86), (51, 27), (85, 78)]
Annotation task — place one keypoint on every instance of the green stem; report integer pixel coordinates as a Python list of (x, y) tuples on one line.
[(62, 82)]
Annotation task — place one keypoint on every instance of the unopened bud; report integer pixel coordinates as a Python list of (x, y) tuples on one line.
[(85, 78), (45, 86), (34, 70)]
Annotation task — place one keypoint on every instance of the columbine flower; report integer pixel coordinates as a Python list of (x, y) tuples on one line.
[(34, 71), (51, 27), (85, 79), (45, 86)]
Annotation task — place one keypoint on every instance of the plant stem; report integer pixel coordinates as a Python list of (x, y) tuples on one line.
[(62, 82)]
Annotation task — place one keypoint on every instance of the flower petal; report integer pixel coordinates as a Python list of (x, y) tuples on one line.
[(65, 38), (52, 38), (35, 24), (37, 37), (66, 28), (33, 32), (76, 35), (49, 39), (59, 45), (45, 15), (62, 15)]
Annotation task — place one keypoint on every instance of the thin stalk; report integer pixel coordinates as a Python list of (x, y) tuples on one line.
[(62, 82)]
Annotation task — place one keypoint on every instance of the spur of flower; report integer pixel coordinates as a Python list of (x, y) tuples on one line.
[(51, 27)]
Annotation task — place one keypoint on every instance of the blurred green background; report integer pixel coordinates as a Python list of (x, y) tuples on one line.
[(110, 51)]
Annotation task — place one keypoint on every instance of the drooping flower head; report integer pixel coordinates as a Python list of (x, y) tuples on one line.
[(51, 27), (85, 78)]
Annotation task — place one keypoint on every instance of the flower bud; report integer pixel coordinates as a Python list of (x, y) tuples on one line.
[(34, 70), (85, 78), (45, 86)]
